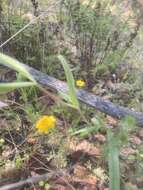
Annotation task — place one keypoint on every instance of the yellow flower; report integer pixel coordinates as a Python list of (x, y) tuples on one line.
[(45, 124), (80, 83)]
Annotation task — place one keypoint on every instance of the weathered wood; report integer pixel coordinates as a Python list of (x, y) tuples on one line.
[(86, 97)]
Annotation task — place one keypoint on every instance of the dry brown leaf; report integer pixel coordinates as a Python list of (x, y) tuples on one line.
[(32, 140), (88, 180), (60, 187), (81, 177), (84, 146), (100, 138), (128, 151), (80, 171), (84, 177), (111, 121), (135, 140), (8, 151)]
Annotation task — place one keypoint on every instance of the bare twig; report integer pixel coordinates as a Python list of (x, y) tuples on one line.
[(28, 24), (31, 180)]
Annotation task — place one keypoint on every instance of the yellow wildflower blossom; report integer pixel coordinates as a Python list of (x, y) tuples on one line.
[(45, 124), (80, 83)]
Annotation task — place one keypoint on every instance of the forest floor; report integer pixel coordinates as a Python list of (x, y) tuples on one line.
[(79, 160)]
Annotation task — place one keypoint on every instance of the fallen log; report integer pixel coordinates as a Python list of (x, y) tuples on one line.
[(90, 99)]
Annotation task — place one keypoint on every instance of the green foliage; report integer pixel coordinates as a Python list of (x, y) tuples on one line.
[(88, 129), (7, 87), (19, 161), (84, 131), (113, 162), (94, 25), (115, 141), (13, 64), (71, 83), (127, 125)]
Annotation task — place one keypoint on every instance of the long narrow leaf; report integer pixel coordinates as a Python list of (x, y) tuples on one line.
[(14, 64), (7, 87), (70, 81), (113, 163)]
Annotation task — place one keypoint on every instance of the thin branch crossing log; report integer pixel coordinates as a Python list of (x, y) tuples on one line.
[(31, 180), (90, 99)]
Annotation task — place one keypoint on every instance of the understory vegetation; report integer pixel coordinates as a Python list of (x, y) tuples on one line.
[(94, 46)]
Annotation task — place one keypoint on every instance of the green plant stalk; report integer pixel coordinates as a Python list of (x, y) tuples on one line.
[(113, 162), (14, 64), (7, 87), (70, 81)]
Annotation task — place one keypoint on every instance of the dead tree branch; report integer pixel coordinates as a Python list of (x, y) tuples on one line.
[(90, 99), (31, 180)]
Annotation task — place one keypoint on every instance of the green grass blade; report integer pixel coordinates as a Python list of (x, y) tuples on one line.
[(113, 163), (84, 131), (14, 64), (7, 87), (70, 81)]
